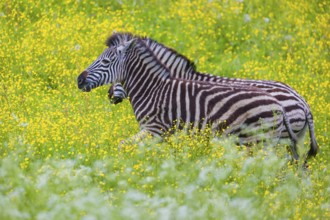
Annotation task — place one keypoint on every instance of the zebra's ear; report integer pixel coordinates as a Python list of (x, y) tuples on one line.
[(122, 49)]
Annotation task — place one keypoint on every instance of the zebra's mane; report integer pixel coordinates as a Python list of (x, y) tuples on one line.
[(140, 44), (190, 64), (119, 38)]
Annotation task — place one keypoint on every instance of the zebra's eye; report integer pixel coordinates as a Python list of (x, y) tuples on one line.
[(105, 61)]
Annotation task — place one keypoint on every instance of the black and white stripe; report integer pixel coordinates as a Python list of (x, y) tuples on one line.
[(116, 93), (297, 110), (161, 102)]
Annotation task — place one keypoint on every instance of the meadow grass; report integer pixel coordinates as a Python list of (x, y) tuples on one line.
[(58, 146)]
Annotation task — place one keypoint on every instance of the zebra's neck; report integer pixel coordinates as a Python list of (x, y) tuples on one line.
[(178, 65), (146, 76)]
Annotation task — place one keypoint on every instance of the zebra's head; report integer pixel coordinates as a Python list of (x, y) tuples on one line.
[(107, 68)]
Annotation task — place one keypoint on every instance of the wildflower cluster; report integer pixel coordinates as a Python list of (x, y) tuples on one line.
[(59, 155)]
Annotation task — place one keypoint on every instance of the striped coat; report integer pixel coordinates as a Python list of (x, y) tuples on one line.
[(296, 108), (161, 102)]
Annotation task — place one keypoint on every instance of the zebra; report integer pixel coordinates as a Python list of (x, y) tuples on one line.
[(116, 93), (161, 102), (297, 110)]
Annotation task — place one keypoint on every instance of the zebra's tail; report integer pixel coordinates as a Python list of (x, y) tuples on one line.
[(313, 147), (292, 136)]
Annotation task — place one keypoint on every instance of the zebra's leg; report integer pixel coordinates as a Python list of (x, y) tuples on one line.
[(301, 137), (302, 133), (313, 144), (112, 96), (293, 137), (116, 93), (135, 138)]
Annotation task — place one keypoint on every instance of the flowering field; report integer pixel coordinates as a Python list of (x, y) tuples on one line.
[(58, 146)]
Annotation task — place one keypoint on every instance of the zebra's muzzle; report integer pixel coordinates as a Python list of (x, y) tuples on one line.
[(86, 88), (83, 84)]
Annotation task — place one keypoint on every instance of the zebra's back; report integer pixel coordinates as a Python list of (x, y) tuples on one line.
[(294, 105), (249, 114)]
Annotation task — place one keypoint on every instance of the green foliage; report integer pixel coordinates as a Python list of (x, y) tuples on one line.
[(58, 146)]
